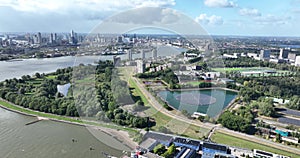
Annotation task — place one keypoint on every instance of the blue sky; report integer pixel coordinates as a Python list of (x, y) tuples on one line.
[(217, 17)]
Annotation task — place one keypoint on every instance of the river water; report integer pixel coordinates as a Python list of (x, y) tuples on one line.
[(48, 139), (31, 66)]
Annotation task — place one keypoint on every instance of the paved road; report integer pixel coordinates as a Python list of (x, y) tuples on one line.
[(210, 126)]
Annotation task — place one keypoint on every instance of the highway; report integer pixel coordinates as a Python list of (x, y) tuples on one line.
[(223, 130)]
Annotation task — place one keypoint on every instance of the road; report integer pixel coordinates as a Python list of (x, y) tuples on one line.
[(223, 130)]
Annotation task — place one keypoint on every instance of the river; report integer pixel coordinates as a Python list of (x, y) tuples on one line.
[(48, 139), (17, 69)]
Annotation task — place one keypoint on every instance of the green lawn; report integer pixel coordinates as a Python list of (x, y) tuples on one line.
[(137, 92), (234, 141), (229, 69), (51, 76)]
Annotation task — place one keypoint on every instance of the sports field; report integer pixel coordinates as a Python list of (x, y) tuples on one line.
[(241, 69)]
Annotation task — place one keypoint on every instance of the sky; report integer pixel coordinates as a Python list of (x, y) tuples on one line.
[(217, 17)]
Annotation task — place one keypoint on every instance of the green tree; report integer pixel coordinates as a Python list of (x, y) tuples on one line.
[(266, 108), (170, 152), (159, 149)]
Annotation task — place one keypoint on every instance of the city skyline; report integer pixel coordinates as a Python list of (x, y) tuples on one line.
[(217, 17)]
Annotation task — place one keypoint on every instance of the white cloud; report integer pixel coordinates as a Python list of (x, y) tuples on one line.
[(86, 5), (249, 12), (296, 10), (220, 3), (147, 16), (273, 20), (211, 20)]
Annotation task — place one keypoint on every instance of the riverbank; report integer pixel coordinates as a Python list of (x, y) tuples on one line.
[(120, 134)]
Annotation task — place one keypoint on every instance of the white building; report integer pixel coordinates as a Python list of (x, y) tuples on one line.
[(264, 154), (297, 61), (234, 56), (292, 57), (253, 55), (154, 53), (140, 66), (283, 54)]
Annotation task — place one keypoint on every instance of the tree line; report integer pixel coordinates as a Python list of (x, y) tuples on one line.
[(94, 92)]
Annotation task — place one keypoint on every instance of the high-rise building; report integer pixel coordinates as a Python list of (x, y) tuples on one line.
[(283, 54), (120, 39), (264, 54), (117, 60), (51, 38), (35, 39), (39, 38), (55, 37), (297, 61), (154, 53), (129, 53), (6, 37), (140, 66), (72, 34), (73, 37), (292, 56), (142, 54)]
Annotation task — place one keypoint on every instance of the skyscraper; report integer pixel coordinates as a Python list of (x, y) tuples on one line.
[(154, 53), (129, 55), (297, 62), (35, 39), (72, 34), (264, 54), (51, 38), (117, 60), (141, 66), (120, 39), (283, 54), (142, 54), (73, 39), (55, 38), (39, 38)]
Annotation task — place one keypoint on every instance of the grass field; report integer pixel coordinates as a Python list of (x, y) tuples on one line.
[(51, 76), (229, 69), (234, 141), (137, 92)]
